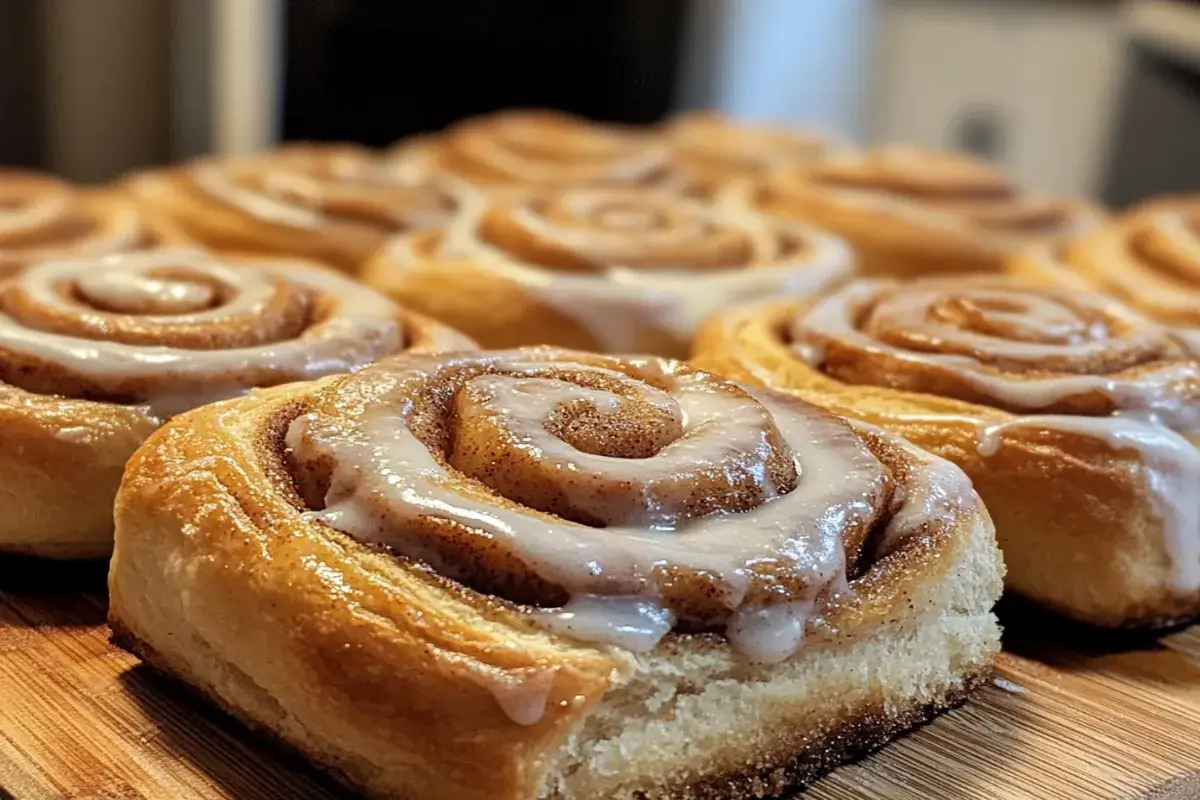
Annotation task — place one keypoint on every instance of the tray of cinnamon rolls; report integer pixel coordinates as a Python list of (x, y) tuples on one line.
[(541, 459)]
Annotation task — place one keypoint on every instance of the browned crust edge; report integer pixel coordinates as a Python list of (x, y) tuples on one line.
[(123, 638), (860, 736)]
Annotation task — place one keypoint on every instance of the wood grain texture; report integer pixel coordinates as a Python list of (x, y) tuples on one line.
[(1067, 719)]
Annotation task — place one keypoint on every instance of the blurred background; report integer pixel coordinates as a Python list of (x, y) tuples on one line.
[(1098, 97)]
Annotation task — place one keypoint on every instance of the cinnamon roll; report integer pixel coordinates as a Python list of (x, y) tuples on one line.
[(714, 150), (95, 354), (542, 149), (1149, 258), (1074, 416), (44, 218), (330, 203), (912, 212), (600, 269), (602, 577)]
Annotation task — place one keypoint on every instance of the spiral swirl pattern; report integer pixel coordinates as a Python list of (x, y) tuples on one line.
[(332, 203), (940, 191), (43, 218), (714, 150), (999, 343), (174, 328), (542, 149), (629, 270), (1150, 259), (624, 496)]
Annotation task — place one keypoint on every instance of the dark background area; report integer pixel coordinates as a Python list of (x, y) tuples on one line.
[(375, 71), (21, 129)]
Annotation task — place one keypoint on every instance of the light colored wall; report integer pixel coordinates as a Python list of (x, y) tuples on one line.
[(247, 70), (131, 83), (799, 61), (106, 86), (1049, 72)]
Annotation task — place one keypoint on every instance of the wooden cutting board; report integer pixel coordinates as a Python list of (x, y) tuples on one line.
[(1066, 719)]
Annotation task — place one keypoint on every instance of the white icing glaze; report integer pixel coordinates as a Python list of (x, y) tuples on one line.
[(633, 623), (1008, 686), (522, 695), (938, 493), (131, 292), (615, 304), (769, 634), (75, 434), (835, 319), (1170, 467), (380, 458), (362, 327)]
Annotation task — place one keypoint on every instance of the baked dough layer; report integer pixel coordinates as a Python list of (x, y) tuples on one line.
[(387, 674)]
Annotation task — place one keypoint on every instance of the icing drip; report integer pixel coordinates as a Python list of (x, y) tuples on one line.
[(523, 695), (937, 494), (770, 633), (1170, 465), (634, 623)]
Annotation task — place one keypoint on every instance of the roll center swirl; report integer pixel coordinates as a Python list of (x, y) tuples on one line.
[(1019, 318), (997, 342), (177, 328), (628, 454), (127, 293), (578, 482), (598, 230)]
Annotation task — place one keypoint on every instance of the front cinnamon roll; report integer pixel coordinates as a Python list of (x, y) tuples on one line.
[(44, 218), (522, 543), (95, 354), (335, 204), (1072, 413), (911, 212), (602, 269), (1149, 258)]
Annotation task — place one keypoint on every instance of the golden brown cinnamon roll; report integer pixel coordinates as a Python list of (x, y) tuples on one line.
[(1073, 415), (95, 354), (602, 269), (911, 212), (1149, 258), (542, 149), (43, 218), (602, 577), (714, 150), (335, 204)]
